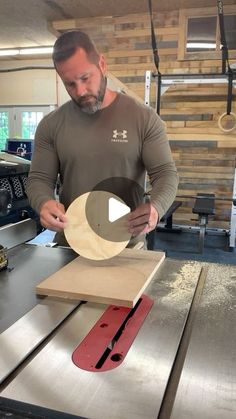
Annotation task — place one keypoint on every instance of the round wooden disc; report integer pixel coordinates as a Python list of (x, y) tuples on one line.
[(89, 232)]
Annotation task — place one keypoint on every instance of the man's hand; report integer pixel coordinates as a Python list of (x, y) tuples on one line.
[(143, 219), (52, 215)]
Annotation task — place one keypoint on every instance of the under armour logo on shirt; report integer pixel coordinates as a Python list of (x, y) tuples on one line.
[(119, 136)]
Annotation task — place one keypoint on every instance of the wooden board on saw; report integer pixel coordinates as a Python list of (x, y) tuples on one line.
[(120, 280)]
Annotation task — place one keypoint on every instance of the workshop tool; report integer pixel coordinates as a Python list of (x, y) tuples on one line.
[(62, 358), (3, 258), (39, 340), (14, 204), (5, 205), (5, 202)]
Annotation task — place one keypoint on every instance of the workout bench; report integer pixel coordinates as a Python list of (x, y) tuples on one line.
[(204, 206), (166, 224)]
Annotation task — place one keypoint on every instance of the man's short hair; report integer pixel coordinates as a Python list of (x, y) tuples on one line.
[(67, 44)]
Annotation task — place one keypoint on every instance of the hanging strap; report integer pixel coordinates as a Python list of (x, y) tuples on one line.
[(230, 93), (225, 54), (154, 42), (156, 59)]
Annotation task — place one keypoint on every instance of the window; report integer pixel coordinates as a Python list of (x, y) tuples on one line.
[(199, 36), (4, 129), (29, 124), (20, 122)]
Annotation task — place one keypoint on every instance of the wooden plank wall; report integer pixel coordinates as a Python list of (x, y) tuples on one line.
[(194, 109), (190, 111), (126, 43), (204, 167)]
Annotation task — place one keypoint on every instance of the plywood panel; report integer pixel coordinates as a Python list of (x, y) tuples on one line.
[(120, 280)]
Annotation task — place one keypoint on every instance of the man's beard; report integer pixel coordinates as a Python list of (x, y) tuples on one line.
[(89, 103)]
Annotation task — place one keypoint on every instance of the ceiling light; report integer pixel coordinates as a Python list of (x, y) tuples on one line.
[(25, 51), (7, 52), (40, 50)]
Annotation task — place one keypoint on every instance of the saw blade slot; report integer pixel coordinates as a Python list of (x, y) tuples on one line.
[(109, 341), (116, 357)]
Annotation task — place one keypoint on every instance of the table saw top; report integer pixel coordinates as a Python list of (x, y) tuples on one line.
[(180, 365)]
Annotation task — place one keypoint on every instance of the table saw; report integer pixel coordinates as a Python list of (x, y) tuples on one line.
[(180, 365)]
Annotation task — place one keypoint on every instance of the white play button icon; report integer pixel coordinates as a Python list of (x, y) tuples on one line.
[(116, 209)]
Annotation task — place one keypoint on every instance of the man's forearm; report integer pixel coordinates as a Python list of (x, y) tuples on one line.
[(38, 192)]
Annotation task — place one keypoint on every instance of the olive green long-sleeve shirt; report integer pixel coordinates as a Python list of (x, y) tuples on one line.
[(124, 140)]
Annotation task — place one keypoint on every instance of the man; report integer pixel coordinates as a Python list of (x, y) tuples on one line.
[(98, 135)]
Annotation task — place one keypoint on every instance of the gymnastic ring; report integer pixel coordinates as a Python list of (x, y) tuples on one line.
[(220, 119)]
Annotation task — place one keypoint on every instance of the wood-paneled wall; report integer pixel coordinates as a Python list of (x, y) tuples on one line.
[(126, 43), (195, 109), (204, 167), (204, 155)]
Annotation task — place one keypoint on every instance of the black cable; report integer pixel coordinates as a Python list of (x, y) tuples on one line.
[(156, 59), (225, 55), (230, 92), (154, 42), (224, 46), (9, 70)]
